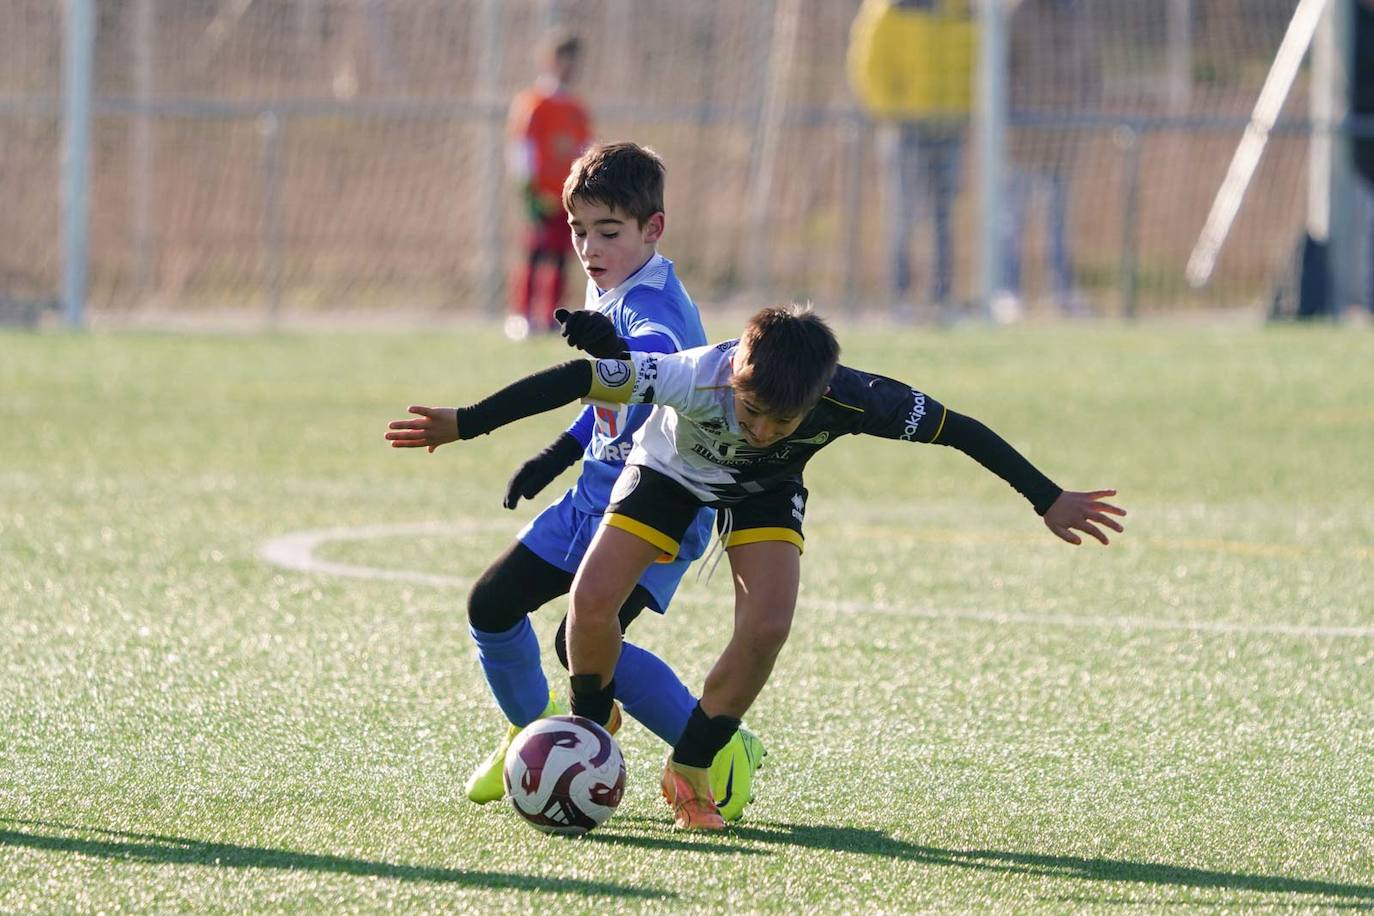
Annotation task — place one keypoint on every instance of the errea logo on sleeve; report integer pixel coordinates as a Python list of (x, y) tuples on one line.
[(913, 419)]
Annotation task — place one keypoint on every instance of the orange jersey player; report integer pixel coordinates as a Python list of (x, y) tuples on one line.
[(548, 129)]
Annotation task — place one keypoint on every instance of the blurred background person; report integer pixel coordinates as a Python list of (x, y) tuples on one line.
[(548, 127), (910, 63), (1362, 147), (1054, 73)]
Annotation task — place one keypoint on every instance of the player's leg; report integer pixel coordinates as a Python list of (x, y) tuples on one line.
[(518, 583), (647, 517), (645, 685), (604, 580), (766, 576), (535, 246), (653, 693), (522, 286), (557, 247), (764, 541)]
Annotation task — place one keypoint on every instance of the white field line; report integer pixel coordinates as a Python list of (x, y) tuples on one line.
[(297, 552)]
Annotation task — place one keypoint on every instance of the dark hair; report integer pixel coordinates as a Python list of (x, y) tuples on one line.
[(792, 354), (622, 176), (560, 43)]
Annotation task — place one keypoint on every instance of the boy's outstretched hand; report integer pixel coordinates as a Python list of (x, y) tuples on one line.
[(1081, 510), (434, 427)]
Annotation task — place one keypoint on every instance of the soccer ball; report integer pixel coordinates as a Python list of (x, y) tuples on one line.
[(564, 774)]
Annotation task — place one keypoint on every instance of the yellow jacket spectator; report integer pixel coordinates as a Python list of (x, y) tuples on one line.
[(913, 59), (911, 66)]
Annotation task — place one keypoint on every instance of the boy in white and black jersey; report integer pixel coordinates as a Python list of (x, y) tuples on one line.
[(733, 427)]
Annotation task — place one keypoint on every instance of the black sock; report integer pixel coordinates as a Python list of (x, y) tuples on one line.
[(590, 700), (703, 738)]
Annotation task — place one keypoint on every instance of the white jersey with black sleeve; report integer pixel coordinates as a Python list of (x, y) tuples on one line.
[(694, 437)]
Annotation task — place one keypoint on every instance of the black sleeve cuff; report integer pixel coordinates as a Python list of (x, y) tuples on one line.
[(996, 454), (537, 393)]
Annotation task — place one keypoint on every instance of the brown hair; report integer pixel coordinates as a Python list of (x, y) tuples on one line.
[(622, 176), (792, 354)]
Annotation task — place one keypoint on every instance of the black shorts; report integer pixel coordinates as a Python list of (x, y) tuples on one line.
[(653, 506)]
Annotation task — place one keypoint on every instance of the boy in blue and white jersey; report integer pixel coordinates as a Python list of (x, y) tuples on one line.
[(614, 199)]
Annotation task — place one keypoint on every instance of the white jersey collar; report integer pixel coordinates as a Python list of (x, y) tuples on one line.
[(654, 273)]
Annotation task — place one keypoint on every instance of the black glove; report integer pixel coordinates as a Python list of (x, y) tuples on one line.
[(536, 474), (593, 333)]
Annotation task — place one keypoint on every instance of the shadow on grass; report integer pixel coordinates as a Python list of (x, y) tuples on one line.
[(649, 833), (146, 847), (877, 843)]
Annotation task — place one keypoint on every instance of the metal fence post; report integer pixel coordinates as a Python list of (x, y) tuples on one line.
[(142, 150), (1129, 141), (77, 55), (274, 241), (992, 150)]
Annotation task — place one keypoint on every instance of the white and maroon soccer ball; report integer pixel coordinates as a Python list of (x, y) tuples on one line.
[(564, 774)]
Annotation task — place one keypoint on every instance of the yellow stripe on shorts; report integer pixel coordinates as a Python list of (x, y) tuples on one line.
[(760, 535), (652, 535)]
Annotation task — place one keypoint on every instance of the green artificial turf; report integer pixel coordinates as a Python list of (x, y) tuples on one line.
[(970, 715)]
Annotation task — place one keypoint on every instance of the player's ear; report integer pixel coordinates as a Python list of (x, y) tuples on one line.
[(653, 228)]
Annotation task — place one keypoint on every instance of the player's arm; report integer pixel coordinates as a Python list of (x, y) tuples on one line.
[(541, 470), (1062, 510), (897, 411), (606, 380), (595, 334), (997, 455)]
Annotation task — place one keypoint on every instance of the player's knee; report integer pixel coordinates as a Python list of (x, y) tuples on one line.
[(488, 609), (767, 632), (593, 603)]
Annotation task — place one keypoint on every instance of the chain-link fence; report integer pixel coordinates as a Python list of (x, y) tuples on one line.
[(327, 154)]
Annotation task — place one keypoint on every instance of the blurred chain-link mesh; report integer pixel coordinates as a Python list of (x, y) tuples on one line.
[(348, 154)]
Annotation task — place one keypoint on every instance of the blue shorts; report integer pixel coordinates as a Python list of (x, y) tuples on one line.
[(561, 534)]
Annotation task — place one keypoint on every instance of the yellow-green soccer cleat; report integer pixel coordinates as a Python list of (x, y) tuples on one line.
[(732, 773), (486, 783)]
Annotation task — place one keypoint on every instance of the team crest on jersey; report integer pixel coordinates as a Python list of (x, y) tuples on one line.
[(625, 484), (612, 372)]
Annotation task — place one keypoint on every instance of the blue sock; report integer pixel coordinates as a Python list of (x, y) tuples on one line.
[(510, 660), (652, 693)]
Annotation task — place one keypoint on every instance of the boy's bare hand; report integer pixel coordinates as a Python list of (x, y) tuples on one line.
[(435, 427), (1080, 510)]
